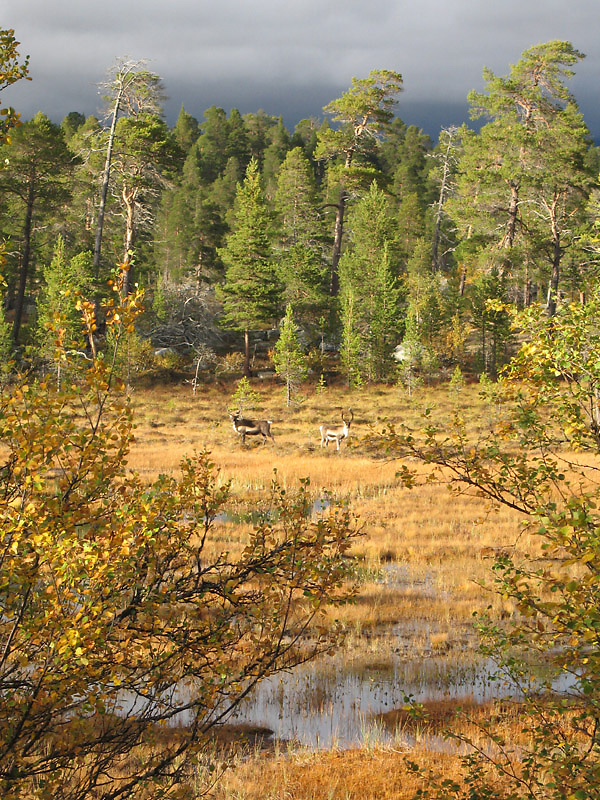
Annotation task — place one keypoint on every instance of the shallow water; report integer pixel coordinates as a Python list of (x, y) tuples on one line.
[(318, 506), (327, 704)]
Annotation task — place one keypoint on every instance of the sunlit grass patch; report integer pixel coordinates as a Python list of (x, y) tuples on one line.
[(436, 538)]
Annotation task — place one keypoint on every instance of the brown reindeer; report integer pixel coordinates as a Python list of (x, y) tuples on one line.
[(252, 427)]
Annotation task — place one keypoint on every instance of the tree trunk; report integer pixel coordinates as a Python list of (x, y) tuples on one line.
[(334, 284), (555, 276), (246, 354), (511, 227), (463, 271), (435, 263), (128, 241), (527, 287), (24, 270), (463, 280), (105, 182), (435, 266), (513, 213)]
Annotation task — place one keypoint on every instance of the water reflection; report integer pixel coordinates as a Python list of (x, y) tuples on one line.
[(323, 704), (255, 517)]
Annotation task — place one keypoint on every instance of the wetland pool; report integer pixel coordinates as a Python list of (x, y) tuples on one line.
[(333, 703)]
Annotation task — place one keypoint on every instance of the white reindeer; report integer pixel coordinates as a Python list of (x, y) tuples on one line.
[(335, 433)]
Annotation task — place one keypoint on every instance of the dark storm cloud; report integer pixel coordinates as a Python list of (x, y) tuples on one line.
[(292, 58)]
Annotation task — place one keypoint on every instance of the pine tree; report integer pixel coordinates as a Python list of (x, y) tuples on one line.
[(37, 166), (442, 175), (522, 179), (86, 143), (130, 90), (364, 112), (250, 293), (557, 191), (145, 155)]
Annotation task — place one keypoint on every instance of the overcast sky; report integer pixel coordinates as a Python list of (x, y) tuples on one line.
[(290, 57)]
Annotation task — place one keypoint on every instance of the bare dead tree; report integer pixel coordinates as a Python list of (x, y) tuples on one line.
[(129, 89), (447, 159)]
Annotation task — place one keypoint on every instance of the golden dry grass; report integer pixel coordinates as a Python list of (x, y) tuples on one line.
[(441, 542), (365, 774)]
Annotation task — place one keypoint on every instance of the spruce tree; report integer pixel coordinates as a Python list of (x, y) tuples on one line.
[(413, 165), (385, 323), (368, 283), (353, 345), (191, 227), (250, 293), (410, 226), (186, 131), (288, 358), (238, 142), (274, 156), (212, 143), (302, 268)]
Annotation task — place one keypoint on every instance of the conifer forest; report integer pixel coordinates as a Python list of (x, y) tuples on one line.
[(377, 236)]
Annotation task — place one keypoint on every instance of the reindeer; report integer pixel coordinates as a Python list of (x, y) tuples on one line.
[(335, 433), (252, 427)]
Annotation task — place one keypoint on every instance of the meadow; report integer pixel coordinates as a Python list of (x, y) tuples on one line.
[(424, 567)]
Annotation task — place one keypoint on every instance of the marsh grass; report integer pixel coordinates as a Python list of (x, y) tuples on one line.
[(371, 773), (424, 561)]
